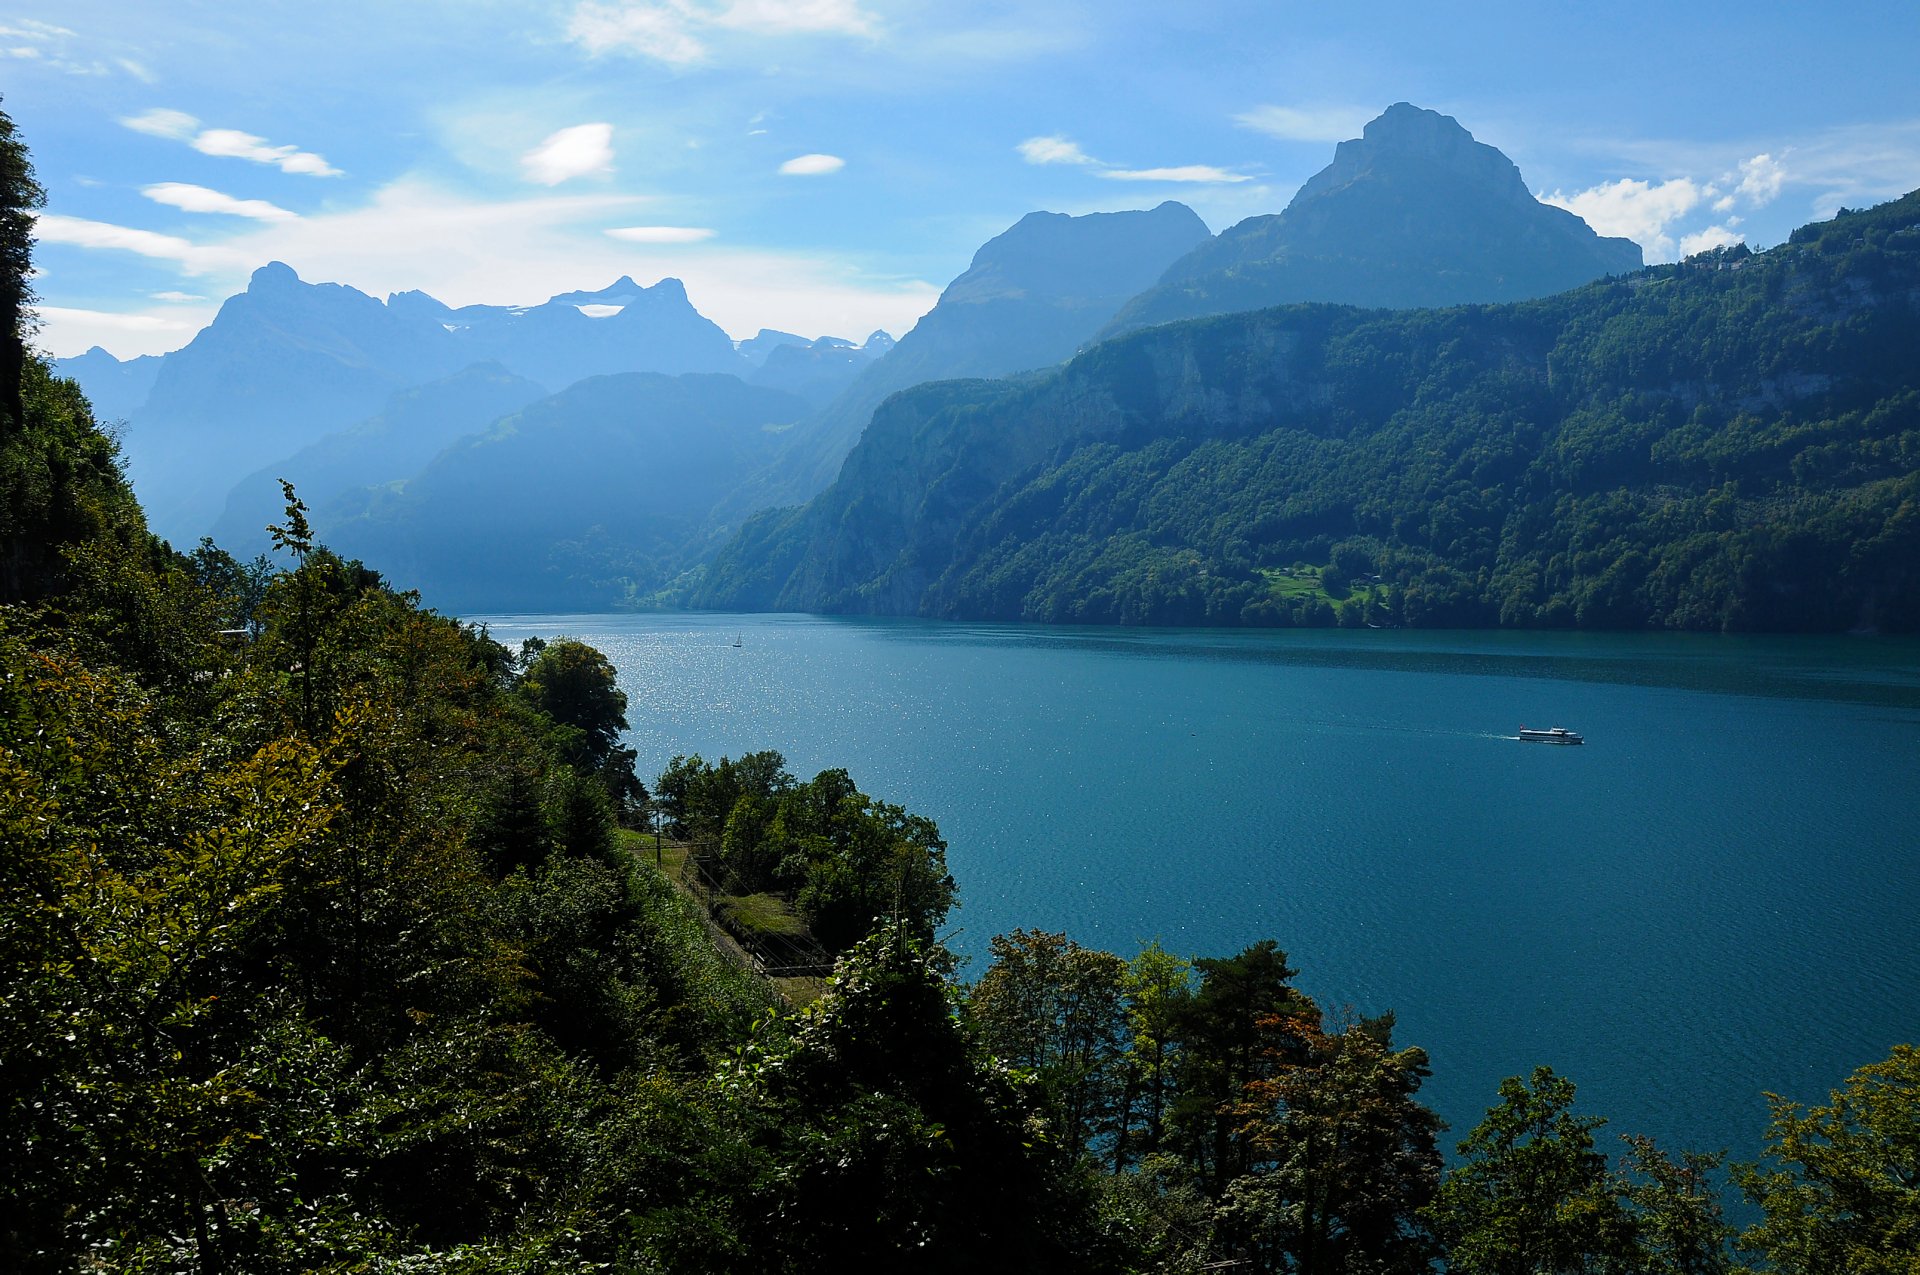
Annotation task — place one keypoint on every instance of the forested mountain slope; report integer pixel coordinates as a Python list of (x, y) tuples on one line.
[(1728, 443)]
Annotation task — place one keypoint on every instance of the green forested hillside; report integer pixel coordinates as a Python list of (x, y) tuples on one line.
[(1732, 442)]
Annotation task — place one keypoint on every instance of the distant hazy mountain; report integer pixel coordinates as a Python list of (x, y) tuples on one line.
[(115, 389), (287, 362), (621, 328), (757, 347), (1033, 295), (573, 502), (818, 371), (415, 426), (1732, 442), (1414, 213)]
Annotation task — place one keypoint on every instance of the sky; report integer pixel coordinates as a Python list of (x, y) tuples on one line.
[(827, 166)]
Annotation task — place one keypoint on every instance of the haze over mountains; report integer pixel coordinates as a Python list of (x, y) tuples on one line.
[(379, 411)]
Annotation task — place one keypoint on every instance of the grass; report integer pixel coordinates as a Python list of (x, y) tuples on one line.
[(1303, 582), (763, 914)]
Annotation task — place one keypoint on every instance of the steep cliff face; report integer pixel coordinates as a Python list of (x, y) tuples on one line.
[(936, 457), (1725, 443), (1413, 213)]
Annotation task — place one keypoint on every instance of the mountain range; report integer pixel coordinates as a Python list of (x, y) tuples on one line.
[(375, 408), (1728, 443)]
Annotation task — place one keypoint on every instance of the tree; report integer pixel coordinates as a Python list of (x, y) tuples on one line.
[(1676, 1213), (1243, 1024), (1353, 1160), (577, 687), (1158, 986), (20, 197), (896, 1141), (1840, 1185), (1533, 1196), (1058, 1010)]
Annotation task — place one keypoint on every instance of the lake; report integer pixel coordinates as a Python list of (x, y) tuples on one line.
[(1717, 896)]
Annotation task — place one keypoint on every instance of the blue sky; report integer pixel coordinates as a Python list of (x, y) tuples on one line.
[(825, 166)]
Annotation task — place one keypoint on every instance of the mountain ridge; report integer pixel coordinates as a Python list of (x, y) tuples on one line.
[(1566, 461)]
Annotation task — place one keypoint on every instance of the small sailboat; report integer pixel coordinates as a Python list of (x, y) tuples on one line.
[(736, 639)]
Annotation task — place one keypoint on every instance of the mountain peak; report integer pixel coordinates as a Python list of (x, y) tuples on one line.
[(1415, 128), (275, 276), (1421, 145), (668, 289)]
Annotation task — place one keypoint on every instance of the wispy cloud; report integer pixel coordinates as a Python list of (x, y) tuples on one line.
[(678, 32), (68, 330), (573, 152), (178, 297), (229, 143), (191, 258), (1306, 124), (200, 199), (162, 122), (62, 49), (659, 234), (812, 165), (1200, 173), (1053, 150), (1058, 149)]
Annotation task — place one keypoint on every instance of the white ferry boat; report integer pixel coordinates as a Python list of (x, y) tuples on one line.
[(1558, 735)]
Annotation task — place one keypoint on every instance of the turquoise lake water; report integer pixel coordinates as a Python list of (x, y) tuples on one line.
[(1718, 895)]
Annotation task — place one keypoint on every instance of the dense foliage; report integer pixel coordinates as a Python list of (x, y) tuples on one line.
[(1730, 443)]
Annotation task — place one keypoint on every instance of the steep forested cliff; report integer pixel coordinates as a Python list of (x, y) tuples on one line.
[(1732, 442)]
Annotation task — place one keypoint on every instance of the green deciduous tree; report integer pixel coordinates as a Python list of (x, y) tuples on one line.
[(1533, 1196), (1058, 1010), (1840, 1185)]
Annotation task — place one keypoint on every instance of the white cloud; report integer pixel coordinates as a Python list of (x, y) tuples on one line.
[(1053, 150), (231, 143), (1306, 124), (1639, 210), (676, 31), (77, 232), (1723, 236), (1059, 149), (1761, 179), (228, 143), (812, 165), (70, 330), (659, 234), (572, 152), (178, 296), (200, 199), (1203, 173), (54, 47), (161, 122)]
